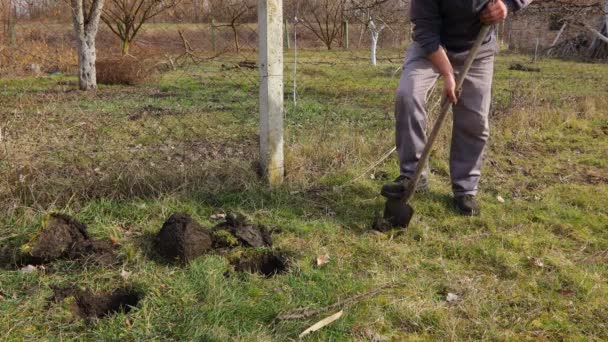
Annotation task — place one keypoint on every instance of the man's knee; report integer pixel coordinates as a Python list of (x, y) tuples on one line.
[(473, 125), (408, 101)]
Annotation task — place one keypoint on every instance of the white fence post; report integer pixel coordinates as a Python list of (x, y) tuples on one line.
[(270, 21)]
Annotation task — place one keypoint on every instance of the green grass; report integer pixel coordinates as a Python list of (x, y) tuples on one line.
[(122, 160)]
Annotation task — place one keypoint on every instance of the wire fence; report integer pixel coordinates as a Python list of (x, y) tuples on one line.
[(57, 144)]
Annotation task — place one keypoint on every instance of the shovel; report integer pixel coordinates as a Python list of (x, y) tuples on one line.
[(398, 212)]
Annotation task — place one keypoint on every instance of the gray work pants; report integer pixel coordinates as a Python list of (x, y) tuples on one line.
[(471, 130)]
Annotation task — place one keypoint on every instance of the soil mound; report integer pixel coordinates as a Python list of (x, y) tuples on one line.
[(181, 238), (88, 305), (266, 264), (247, 234), (61, 237)]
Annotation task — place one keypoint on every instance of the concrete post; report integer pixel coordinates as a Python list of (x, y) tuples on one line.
[(11, 24), (270, 21)]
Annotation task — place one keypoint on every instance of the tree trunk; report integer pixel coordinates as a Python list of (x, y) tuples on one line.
[(11, 24), (236, 38), (125, 46), (374, 48), (86, 31), (375, 31), (196, 8), (87, 77)]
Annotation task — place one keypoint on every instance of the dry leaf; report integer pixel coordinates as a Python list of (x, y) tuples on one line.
[(451, 298), (323, 260), (125, 274), (500, 199), (322, 323), (538, 263), (218, 216), (113, 239), (28, 269)]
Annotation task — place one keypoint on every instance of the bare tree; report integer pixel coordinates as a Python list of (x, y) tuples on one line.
[(376, 16), (599, 47), (86, 25), (232, 13), (324, 19), (126, 17)]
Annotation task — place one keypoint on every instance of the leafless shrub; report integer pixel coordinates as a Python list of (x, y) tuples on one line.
[(125, 71)]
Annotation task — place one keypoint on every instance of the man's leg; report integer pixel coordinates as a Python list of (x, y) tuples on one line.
[(417, 79), (471, 128)]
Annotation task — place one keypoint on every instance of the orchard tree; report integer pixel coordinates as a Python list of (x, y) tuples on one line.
[(376, 16), (85, 15), (126, 17), (232, 13), (599, 46), (324, 19)]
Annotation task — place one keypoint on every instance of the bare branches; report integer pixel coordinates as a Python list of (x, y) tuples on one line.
[(324, 19), (233, 13), (125, 18)]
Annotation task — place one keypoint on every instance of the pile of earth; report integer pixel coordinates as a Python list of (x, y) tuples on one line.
[(182, 239), (63, 237), (267, 264), (88, 305)]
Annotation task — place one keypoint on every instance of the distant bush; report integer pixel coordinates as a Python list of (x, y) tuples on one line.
[(126, 71)]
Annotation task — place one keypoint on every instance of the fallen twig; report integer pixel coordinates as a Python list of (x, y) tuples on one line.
[(521, 67), (370, 168), (303, 313), (322, 323)]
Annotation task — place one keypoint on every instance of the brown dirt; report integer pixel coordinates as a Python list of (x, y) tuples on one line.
[(267, 264), (181, 238), (381, 225), (397, 214), (248, 235), (88, 305), (64, 237)]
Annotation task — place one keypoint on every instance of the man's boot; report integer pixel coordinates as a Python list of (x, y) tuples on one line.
[(467, 205), (396, 190)]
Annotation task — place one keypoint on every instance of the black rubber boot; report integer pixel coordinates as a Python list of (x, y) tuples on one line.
[(396, 190), (467, 205)]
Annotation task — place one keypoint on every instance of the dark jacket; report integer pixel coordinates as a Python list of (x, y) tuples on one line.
[(453, 24)]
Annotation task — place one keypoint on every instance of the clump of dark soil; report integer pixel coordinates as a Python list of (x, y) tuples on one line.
[(397, 215), (63, 237), (88, 305), (267, 264), (381, 225), (246, 234), (182, 238)]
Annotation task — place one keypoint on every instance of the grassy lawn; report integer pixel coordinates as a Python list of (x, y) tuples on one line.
[(124, 159)]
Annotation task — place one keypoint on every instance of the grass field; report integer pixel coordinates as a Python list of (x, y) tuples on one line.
[(122, 160)]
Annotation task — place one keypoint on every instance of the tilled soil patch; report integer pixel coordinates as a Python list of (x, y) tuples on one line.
[(183, 239), (88, 305), (248, 235), (63, 237), (267, 264)]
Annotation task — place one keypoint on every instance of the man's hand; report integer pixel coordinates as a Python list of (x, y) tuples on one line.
[(495, 12), (449, 88), (441, 62)]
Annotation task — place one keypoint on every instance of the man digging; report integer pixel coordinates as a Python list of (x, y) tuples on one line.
[(444, 32)]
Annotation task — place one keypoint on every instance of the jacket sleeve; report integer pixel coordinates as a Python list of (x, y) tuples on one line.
[(516, 5), (426, 17)]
